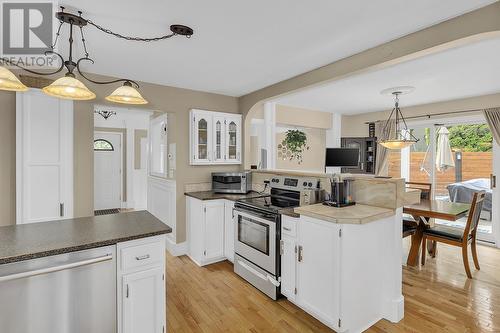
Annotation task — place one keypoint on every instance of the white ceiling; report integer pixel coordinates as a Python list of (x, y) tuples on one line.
[(242, 46), (468, 71)]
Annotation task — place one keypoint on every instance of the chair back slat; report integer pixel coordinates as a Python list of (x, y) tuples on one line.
[(425, 189), (474, 214)]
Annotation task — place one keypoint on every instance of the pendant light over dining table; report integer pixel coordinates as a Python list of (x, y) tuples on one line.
[(396, 134), (68, 86)]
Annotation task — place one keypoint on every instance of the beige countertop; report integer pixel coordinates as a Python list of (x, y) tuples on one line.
[(357, 214)]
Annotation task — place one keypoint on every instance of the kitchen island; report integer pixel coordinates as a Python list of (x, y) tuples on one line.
[(93, 274), (343, 265)]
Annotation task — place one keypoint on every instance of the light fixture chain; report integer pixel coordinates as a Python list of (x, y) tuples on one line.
[(57, 35), (137, 39), (84, 44)]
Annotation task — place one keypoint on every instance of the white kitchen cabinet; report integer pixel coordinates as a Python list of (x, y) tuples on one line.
[(141, 290), (229, 230), (213, 226), (288, 250), (215, 137), (288, 267), (143, 298), (201, 137), (210, 230), (318, 270), (219, 139), (233, 139), (348, 276), (205, 230)]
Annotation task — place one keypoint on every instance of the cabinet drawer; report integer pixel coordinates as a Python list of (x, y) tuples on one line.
[(289, 226), (142, 255)]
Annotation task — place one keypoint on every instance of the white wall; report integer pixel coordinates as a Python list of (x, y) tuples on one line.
[(130, 119)]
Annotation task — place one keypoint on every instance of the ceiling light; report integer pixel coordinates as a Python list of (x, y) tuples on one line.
[(126, 94), (68, 87), (395, 134), (8, 81)]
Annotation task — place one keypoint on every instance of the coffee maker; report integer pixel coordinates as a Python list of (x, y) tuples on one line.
[(341, 192)]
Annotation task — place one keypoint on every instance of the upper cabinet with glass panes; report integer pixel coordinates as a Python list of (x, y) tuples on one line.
[(215, 137)]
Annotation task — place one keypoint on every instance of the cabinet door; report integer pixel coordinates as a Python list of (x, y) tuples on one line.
[(233, 139), (318, 268), (219, 130), (144, 302), (214, 229), (360, 144), (229, 231), (44, 153), (288, 267), (202, 137)]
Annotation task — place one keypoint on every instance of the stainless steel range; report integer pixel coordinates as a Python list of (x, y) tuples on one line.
[(258, 230)]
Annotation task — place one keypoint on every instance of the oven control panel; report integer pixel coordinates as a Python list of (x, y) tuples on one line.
[(296, 183)]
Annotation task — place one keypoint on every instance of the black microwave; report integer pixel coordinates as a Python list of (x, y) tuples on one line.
[(232, 182)]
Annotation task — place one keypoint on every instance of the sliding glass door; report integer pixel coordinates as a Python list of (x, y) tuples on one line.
[(456, 166)]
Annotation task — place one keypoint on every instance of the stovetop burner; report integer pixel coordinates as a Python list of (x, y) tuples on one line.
[(270, 203)]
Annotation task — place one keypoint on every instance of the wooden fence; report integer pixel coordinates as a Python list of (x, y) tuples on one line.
[(474, 165)]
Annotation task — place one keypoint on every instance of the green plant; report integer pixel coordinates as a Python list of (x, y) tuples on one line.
[(471, 138), (293, 145)]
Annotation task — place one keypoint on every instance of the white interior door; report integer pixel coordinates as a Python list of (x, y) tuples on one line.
[(107, 170), (44, 157)]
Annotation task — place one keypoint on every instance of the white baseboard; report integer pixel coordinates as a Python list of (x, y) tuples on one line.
[(396, 310), (176, 249)]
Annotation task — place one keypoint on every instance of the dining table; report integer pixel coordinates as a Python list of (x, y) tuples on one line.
[(423, 212)]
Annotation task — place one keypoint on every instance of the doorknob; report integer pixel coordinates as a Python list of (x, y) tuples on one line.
[(493, 181)]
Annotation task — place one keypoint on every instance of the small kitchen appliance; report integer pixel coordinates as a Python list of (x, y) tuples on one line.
[(232, 182)]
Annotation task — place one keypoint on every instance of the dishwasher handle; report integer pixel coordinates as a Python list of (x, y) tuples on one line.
[(55, 268)]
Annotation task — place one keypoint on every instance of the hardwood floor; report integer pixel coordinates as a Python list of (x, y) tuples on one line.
[(438, 298)]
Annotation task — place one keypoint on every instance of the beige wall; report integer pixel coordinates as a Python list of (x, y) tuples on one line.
[(294, 116), (354, 126), (316, 122), (313, 158), (83, 159), (7, 158)]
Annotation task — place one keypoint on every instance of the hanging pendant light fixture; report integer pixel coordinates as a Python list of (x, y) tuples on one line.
[(396, 134), (68, 86), (126, 94), (9, 82)]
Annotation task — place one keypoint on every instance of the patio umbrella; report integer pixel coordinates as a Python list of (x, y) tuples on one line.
[(444, 155)]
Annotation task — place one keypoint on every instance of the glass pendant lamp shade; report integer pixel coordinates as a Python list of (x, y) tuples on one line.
[(8, 81), (396, 144), (126, 94), (396, 134), (68, 87)]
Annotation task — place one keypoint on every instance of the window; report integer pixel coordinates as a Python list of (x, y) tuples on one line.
[(103, 145)]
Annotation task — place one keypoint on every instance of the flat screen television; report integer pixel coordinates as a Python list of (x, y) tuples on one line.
[(342, 157)]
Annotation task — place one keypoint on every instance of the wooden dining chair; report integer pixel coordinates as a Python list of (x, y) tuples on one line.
[(409, 224), (460, 238)]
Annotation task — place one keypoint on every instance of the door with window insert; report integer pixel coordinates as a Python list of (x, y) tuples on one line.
[(107, 170)]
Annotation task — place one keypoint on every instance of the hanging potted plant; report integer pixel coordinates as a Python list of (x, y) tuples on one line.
[(293, 145)]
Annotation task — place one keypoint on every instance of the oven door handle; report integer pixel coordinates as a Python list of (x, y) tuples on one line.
[(252, 270), (266, 218)]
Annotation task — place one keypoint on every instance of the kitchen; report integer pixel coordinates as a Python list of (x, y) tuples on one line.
[(270, 197)]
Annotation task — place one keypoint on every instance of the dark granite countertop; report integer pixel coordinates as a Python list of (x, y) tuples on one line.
[(35, 240), (209, 195)]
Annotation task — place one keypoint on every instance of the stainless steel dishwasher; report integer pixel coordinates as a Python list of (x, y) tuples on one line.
[(67, 293)]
